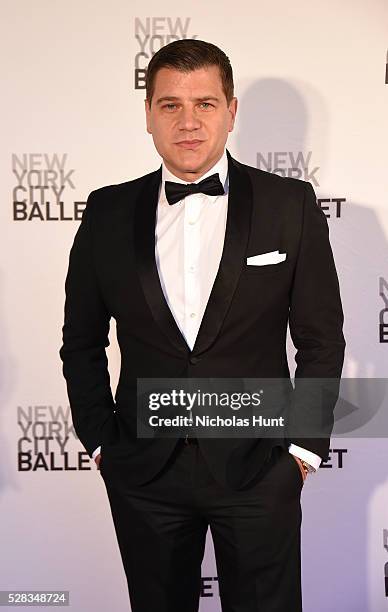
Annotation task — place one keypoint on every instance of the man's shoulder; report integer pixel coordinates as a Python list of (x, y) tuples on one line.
[(126, 188), (263, 179)]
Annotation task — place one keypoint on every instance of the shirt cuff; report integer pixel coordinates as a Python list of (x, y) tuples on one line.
[(310, 458), (96, 452)]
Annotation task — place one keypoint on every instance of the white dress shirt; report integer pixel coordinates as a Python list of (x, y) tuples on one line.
[(188, 247)]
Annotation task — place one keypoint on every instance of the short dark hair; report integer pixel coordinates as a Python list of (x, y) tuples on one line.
[(186, 55)]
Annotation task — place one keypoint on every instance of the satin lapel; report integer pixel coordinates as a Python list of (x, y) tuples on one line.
[(233, 255), (144, 243), (232, 259)]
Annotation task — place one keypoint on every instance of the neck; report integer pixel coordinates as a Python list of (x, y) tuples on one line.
[(190, 176)]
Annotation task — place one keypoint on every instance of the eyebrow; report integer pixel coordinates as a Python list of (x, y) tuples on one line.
[(175, 98)]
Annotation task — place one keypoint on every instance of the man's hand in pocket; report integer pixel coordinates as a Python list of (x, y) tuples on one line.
[(304, 475)]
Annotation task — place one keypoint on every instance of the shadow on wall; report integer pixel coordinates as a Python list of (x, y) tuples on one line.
[(276, 116)]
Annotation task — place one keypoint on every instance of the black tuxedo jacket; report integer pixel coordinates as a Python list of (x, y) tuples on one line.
[(112, 273)]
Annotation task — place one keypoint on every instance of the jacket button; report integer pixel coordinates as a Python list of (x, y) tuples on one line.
[(194, 359)]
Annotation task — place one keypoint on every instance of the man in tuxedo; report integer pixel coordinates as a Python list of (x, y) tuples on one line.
[(202, 263)]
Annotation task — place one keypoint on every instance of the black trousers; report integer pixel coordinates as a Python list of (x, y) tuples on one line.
[(161, 530)]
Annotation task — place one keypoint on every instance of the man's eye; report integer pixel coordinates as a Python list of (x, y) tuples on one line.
[(170, 106), (206, 104)]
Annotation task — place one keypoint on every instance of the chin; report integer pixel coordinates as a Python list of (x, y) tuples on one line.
[(187, 163), (192, 158)]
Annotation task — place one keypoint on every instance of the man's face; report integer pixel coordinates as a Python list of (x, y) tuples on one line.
[(189, 120)]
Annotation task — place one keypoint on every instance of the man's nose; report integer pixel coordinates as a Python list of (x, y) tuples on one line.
[(188, 120)]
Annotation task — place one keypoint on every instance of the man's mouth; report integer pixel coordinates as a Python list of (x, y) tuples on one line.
[(189, 144)]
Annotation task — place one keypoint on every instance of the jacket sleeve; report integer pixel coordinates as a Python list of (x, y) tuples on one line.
[(316, 321), (85, 337)]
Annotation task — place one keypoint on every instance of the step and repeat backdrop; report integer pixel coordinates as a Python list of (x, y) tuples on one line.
[(312, 83)]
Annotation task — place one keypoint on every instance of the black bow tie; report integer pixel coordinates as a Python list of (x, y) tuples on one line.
[(177, 191)]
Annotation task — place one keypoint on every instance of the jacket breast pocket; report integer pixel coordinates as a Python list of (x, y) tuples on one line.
[(272, 268)]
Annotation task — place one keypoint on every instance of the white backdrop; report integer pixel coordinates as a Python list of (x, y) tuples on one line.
[(310, 80)]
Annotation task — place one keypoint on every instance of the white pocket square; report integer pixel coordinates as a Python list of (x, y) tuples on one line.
[(272, 257)]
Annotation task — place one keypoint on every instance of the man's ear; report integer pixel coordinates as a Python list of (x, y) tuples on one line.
[(148, 116), (232, 110)]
